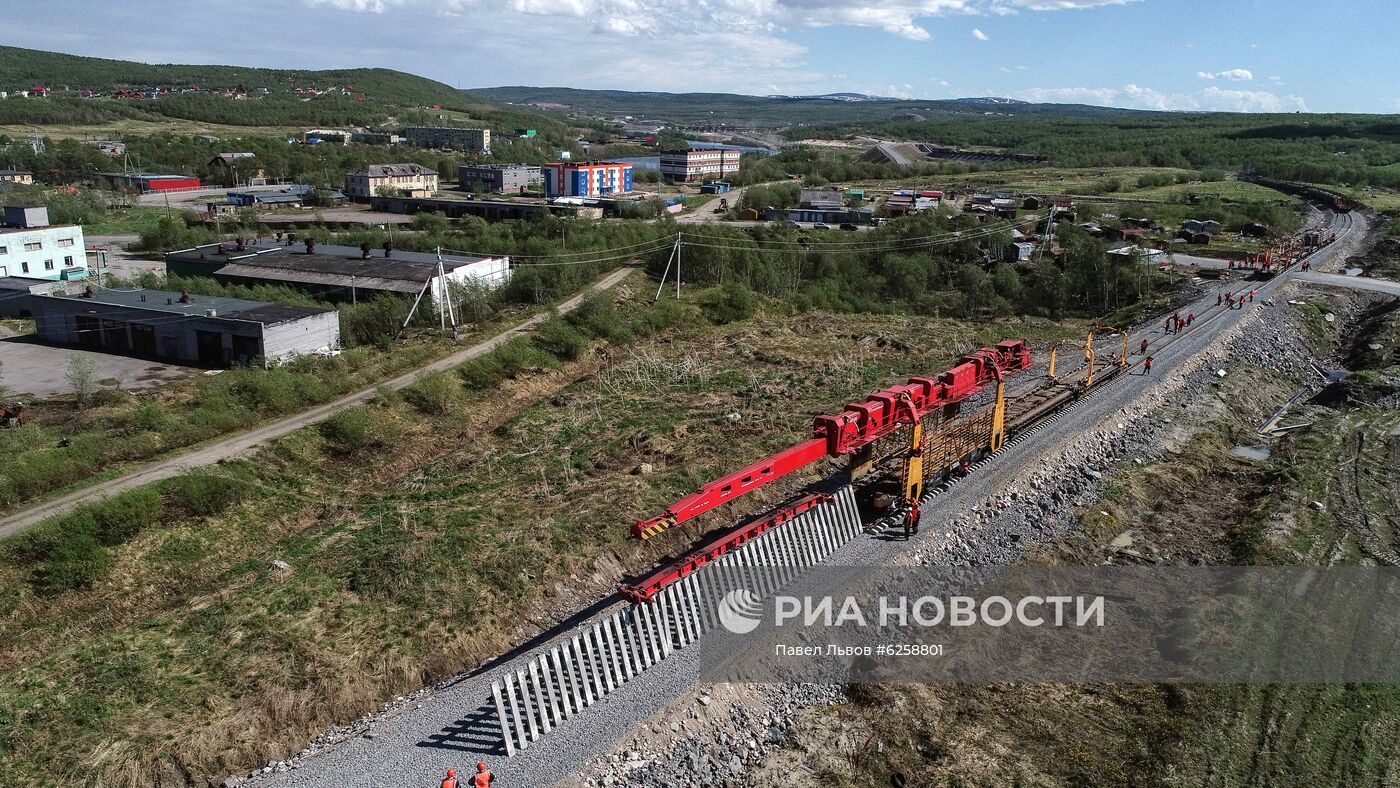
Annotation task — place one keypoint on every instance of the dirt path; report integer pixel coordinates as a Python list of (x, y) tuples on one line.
[(242, 443)]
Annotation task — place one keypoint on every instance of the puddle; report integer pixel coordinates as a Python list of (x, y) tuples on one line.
[(1355, 271), (1251, 452)]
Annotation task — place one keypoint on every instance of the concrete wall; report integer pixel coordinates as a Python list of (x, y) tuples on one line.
[(307, 335)]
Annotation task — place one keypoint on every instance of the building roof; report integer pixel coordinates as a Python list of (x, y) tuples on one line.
[(199, 305), (150, 176), (338, 266), (822, 197), (500, 166), (15, 172), (395, 170), (229, 158)]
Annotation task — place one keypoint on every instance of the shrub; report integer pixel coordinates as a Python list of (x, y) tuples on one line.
[(77, 561), (150, 417), (350, 430), (481, 372), (121, 517), (662, 315), (520, 355), (729, 303), (561, 340), (433, 393), (598, 317), (202, 494)]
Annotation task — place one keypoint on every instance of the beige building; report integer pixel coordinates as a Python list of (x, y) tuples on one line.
[(406, 180), (16, 176)]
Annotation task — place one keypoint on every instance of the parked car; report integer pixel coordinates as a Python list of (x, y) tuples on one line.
[(849, 226), (821, 226), (791, 223)]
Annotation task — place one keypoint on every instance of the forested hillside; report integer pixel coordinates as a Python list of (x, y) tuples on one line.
[(376, 94), (1339, 149)]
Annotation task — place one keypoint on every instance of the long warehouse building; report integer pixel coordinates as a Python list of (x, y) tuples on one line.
[(336, 273), (186, 329)]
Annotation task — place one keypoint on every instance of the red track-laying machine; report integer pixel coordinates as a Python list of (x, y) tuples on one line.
[(850, 433)]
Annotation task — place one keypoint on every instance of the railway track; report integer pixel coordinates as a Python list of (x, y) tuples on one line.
[(552, 707)]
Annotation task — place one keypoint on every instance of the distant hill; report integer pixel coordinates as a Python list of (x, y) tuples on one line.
[(777, 110), (375, 93)]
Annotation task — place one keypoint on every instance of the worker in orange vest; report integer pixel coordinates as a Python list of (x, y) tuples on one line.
[(1147, 366), (450, 781), (483, 776), (1143, 351)]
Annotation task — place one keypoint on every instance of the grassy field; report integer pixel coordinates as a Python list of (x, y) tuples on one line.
[(450, 522)]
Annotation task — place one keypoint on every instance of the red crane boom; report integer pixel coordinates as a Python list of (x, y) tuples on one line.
[(858, 426)]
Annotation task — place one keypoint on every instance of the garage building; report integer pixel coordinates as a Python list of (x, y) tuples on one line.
[(187, 329)]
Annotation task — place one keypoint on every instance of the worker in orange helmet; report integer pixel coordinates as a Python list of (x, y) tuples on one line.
[(450, 781), (483, 776), (1147, 366)]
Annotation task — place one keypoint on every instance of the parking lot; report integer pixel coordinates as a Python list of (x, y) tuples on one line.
[(34, 371)]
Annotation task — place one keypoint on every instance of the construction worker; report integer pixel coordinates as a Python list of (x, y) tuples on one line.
[(1143, 349), (450, 781), (1219, 299), (1251, 295), (1168, 328), (483, 776), (1147, 366), (1190, 316), (911, 520), (964, 468), (1307, 264)]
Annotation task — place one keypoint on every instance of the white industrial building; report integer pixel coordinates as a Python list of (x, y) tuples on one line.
[(31, 248)]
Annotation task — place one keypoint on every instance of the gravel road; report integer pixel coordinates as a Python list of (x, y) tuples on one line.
[(245, 442)]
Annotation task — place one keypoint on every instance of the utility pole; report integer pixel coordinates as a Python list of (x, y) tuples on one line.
[(445, 309), (675, 257)]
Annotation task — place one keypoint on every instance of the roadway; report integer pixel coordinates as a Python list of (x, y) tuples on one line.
[(454, 726), (242, 443)]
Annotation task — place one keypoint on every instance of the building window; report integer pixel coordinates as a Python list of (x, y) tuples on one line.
[(48, 265), (24, 268), (68, 261), (65, 242), (34, 247), (4, 250)]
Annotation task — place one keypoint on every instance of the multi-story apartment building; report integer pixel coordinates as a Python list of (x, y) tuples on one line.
[(499, 178), (31, 248), (698, 164), (409, 180), (587, 179), (474, 140)]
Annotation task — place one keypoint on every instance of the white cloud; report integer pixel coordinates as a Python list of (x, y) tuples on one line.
[(896, 17), (1131, 96), (1232, 75), (979, 35)]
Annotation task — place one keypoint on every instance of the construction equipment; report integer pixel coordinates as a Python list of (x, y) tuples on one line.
[(853, 432)]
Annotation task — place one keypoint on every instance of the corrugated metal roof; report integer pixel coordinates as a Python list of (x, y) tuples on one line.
[(365, 282)]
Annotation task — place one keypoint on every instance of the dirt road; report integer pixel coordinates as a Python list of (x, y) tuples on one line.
[(242, 443)]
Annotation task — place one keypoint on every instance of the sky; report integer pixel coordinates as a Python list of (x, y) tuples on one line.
[(1232, 55)]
